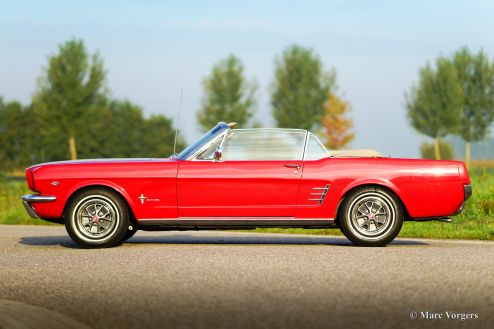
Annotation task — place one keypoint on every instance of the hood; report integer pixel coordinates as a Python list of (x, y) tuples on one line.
[(101, 161)]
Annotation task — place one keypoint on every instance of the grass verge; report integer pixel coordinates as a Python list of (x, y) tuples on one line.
[(475, 222), (11, 209)]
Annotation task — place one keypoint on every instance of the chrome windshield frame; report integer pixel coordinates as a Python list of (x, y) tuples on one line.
[(223, 135), (218, 130)]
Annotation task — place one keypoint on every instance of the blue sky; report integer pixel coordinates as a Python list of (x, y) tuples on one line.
[(153, 48)]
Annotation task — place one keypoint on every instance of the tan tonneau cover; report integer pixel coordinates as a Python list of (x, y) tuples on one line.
[(356, 154)]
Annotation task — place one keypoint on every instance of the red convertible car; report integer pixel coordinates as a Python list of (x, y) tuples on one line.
[(243, 179)]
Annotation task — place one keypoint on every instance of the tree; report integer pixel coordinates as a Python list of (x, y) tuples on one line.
[(123, 137), (229, 97), (476, 78), (17, 139), (159, 136), (434, 105), (336, 125), (300, 89), (70, 95), (131, 135), (428, 152)]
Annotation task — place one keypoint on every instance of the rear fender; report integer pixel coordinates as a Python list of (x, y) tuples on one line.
[(372, 181), (375, 182)]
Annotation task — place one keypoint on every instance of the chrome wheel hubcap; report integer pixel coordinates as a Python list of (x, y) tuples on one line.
[(371, 215), (96, 217)]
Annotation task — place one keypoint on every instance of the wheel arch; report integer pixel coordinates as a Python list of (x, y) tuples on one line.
[(387, 186), (100, 185)]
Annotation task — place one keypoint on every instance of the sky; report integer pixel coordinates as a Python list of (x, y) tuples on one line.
[(153, 49)]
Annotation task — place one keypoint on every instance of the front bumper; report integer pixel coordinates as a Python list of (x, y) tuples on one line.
[(29, 199)]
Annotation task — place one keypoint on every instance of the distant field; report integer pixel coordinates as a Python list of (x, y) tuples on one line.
[(475, 222), (482, 164)]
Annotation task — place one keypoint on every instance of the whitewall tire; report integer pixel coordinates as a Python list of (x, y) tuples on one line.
[(371, 216), (97, 218)]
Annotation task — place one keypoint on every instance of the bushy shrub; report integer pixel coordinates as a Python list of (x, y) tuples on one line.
[(445, 149)]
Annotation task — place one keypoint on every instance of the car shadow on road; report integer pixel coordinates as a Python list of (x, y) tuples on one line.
[(257, 239), (61, 240), (65, 241)]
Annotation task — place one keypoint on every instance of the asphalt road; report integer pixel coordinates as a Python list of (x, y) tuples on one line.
[(246, 280)]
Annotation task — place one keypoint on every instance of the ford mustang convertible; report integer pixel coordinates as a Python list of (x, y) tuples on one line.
[(243, 179)]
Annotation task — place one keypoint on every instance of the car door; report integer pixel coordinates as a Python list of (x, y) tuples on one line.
[(258, 175), (316, 195)]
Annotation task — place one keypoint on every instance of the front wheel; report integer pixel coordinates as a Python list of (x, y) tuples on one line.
[(97, 218), (371, 216)]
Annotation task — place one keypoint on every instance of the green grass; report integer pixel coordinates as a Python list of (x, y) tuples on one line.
[(11, 209), (475, 222)]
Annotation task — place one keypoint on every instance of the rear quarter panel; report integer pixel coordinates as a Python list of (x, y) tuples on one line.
[(427, 188)]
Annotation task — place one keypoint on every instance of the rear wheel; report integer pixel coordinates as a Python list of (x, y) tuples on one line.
[(97, 218), (371, 216)]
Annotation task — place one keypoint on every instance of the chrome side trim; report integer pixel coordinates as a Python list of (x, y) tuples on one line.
[(235, 218), (234, 222), (229, 218), (35, 198)]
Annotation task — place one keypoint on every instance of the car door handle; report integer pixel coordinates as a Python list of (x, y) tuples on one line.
[(292, 165)]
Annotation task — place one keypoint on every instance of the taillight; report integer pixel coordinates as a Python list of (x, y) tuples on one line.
[(30, 179)]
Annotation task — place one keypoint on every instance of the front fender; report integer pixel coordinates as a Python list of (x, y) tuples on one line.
[(104, 183)]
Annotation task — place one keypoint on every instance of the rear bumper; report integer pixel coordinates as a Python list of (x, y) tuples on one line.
[(467, 189), (29, 199), (467, 193)]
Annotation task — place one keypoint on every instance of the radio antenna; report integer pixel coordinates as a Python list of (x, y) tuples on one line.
[(178, 120)]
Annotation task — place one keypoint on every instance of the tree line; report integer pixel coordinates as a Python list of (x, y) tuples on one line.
[(454, 95), (72, 115)]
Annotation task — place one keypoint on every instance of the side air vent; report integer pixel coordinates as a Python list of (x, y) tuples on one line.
[(319, 193)]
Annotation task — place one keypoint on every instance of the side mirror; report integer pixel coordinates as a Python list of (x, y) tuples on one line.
[(217, 154)]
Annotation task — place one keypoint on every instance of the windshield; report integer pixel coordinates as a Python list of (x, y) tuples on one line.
[(194, 147)]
